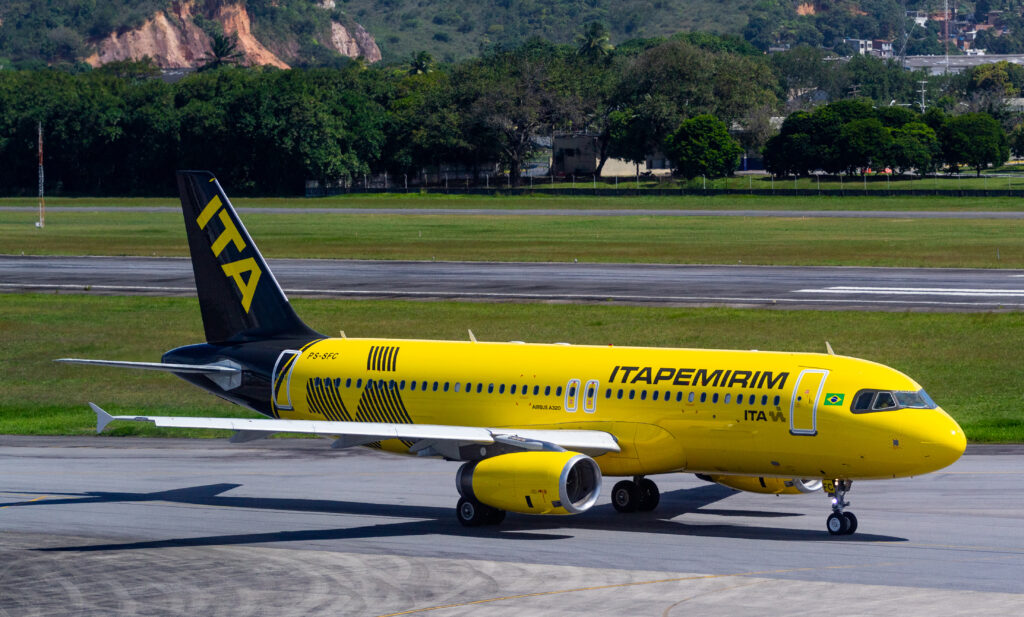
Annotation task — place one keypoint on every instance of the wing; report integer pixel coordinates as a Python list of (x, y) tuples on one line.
[(428, 439)]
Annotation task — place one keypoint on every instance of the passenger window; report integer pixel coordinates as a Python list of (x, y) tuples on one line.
[(714, 397), (668, 395), (412, 385), (703, 397), (337, 382), (764, 399), (643, 395), (424, 388), (690, 398), (590, 392), (435, 386), (632, 394), (392, 385), (536, 390), (620, 393), (469, 387), (727, 398), (739, 399), (348, 382), (654, 395), (547, 390), (359, 383), (501, 388), (457, 386), (776, 403), (558, 391), (490, 389), (401, 384), (512, 390), (446, 386), (608, 393)]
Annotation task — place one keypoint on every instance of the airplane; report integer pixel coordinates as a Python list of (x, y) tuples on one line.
[(538, 426)]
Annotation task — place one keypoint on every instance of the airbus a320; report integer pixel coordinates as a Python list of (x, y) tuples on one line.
[(537, 426)]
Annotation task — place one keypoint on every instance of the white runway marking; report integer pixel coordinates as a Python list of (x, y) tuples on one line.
[(598, 298), (918, 291)]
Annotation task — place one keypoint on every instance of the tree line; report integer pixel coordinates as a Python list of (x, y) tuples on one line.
[(120, 129), (854, 136)]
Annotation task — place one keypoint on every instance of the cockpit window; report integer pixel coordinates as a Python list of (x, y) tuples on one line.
[(868, 401), (883, 401)]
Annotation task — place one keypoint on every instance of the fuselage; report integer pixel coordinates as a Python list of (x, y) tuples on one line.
[(708, 411)]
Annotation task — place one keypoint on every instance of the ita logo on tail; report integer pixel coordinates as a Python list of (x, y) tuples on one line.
[(230, 235)]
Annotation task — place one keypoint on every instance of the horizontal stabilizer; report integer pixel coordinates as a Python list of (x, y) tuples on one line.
[(205, 369), (588, 442)]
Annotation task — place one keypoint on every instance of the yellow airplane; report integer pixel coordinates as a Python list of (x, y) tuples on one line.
[(538, 426)]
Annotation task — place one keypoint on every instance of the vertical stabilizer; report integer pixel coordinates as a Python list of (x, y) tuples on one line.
[(239, 298)]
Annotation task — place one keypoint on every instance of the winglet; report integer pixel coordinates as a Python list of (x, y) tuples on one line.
[(102, 418)]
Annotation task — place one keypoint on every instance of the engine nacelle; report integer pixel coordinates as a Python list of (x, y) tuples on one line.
[(771, 486), (533, 482)]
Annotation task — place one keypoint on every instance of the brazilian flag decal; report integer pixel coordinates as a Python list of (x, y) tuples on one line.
[(833, 399)]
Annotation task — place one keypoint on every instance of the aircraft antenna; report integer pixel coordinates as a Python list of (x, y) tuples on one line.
[(829, 348), (471, 336)]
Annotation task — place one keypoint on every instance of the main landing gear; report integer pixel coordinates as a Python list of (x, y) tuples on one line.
[(472, 513), (636, 494), (840, 522)]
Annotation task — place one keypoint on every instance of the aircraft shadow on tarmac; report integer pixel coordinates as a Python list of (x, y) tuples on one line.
[(437, 520)]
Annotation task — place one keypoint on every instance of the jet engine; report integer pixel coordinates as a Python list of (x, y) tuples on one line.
[(771, 486), (532, 482)]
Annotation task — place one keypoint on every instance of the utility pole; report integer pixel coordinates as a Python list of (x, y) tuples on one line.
[(945, 23), (42, 202), (922, 91)]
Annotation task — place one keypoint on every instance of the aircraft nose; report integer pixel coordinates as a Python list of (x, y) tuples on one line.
[(946, 443)]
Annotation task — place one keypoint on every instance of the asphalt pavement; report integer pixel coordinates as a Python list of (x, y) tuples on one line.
[(810, 287), (115, 526)]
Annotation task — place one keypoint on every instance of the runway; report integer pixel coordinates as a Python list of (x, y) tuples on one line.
[(813, 287), (118, 526), (730, 212)]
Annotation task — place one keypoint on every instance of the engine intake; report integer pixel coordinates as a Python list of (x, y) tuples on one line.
[(771, 486), (533, 482)]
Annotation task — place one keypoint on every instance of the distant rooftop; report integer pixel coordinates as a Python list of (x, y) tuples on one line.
[(936, 65)]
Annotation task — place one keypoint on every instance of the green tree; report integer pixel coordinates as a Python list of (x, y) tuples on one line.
[(702, 146), (223, 51), (422, 62), (976, 139), (594, 43), (914, 146), (865, 142)]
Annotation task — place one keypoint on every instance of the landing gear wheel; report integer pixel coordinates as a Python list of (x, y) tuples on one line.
[(471, 513), (851, 522), (838, 524), (494, 516), (650, 496), (626, 496)]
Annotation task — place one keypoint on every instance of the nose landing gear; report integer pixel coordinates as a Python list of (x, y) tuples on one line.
[(840, 522)]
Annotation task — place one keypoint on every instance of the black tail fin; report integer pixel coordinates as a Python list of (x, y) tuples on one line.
[(239, 298)]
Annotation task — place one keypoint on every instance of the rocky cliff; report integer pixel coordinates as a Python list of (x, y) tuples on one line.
[(173, 39)]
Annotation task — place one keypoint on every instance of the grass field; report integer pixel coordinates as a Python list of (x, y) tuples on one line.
[(553, 200), (970, 363), (981, 243)]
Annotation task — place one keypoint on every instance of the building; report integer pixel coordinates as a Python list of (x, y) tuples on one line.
[(578, 154)]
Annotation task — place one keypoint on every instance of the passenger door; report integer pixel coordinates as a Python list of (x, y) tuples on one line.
[(803, 404)]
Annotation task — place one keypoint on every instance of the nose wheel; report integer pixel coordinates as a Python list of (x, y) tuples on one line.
[(639, 493), (840, 522)]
